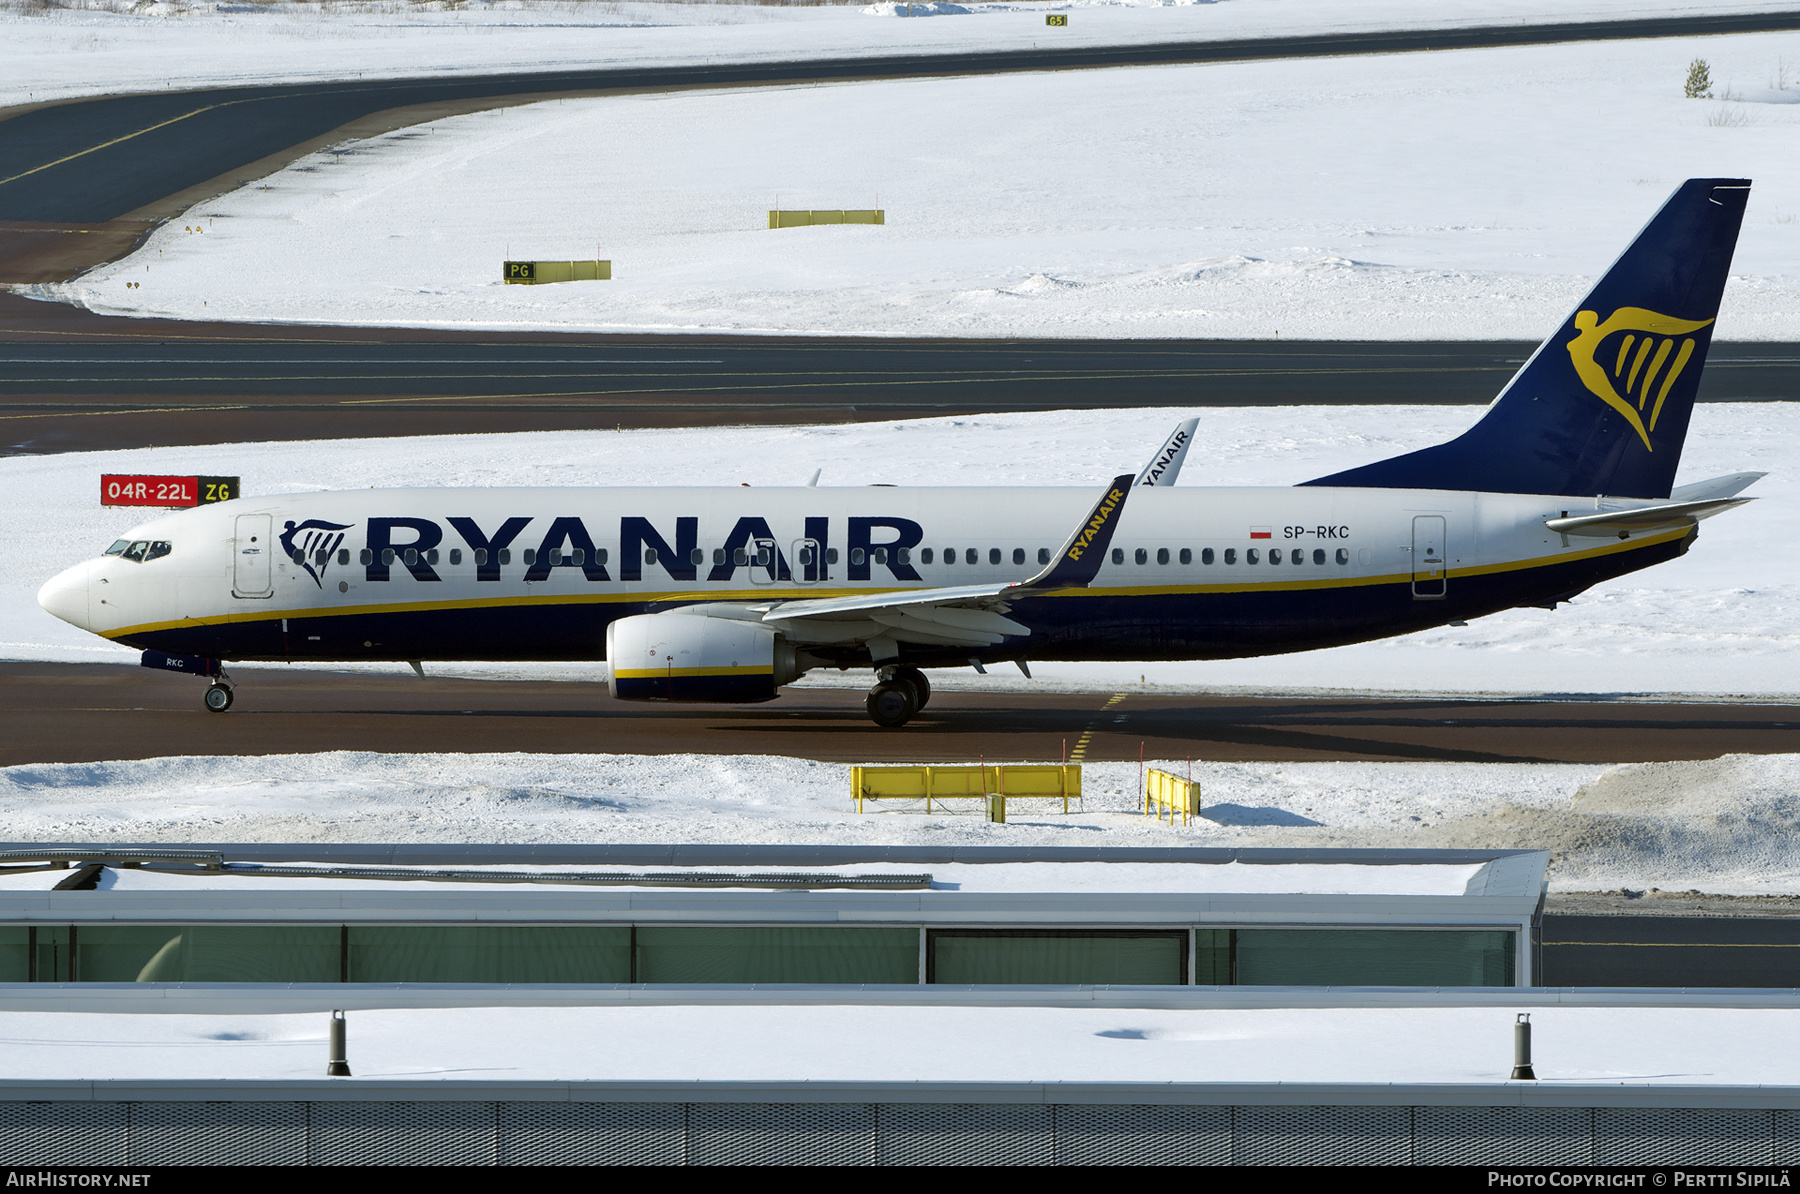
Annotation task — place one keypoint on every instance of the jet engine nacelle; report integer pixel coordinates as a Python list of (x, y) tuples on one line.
[(696, 657)]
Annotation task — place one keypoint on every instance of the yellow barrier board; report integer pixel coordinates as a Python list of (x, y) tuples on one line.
[(805, 219), (537, 273), (1010, 781), (1170, 793)]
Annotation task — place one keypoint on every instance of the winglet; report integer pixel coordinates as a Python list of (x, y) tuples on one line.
[(1081, 556), (1165, 466)]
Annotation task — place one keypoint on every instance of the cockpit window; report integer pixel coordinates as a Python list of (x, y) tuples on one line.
[(135, 553), (158, 550), (119, 545)]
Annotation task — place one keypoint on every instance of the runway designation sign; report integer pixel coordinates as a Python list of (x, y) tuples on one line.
[(120, 489)]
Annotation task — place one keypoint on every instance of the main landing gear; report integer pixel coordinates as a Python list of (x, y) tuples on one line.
[(899, 692), (219, 695)]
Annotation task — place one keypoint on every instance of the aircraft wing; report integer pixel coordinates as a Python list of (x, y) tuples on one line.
[(959, 616), (1645, 518)]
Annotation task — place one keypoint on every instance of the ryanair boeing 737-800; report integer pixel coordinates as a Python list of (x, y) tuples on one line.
[(726, 594)]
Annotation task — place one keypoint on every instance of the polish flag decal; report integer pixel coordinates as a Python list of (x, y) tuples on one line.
[(1260, 533)]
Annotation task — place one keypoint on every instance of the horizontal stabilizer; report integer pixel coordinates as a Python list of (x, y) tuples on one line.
[(1646, 518), (1719, 487)]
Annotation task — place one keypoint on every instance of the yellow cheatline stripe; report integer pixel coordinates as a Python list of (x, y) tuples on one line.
[(761, 595), (662, 673)]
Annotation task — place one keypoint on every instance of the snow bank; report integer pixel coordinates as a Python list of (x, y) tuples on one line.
[(1248, 200), (1722, 825)]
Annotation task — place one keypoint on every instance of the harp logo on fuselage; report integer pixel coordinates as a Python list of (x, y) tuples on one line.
[(1626, 378)]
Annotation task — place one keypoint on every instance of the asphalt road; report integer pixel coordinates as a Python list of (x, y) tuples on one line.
[(73, 381), (1670, 951), (101, 159), (67, 713)]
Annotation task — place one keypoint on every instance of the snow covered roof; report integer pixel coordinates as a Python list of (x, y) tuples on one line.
[(771, 884)]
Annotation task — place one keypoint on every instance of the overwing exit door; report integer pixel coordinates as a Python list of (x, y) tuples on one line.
[(1430, 566)]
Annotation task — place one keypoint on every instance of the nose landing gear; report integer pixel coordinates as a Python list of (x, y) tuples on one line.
[(899, 693)]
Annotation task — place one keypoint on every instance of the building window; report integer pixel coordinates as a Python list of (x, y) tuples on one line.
[(776, 955), (1051, 957), (1374, 958)]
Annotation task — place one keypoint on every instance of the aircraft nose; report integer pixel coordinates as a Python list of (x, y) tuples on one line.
[(66, 595)]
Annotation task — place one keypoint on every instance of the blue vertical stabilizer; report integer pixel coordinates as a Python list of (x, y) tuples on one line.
[(1602, 407)]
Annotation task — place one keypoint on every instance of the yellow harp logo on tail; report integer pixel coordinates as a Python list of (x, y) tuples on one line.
[(1637, 373)]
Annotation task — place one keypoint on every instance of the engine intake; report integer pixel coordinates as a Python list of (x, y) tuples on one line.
[(697, 657)]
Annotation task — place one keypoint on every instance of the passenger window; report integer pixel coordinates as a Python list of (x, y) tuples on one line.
[(993, 555), (431, 557), (118, 547), (1118, 555), (343, 555), (880, 556), (579, 556), (1318, 555), (506, 555), (696, 557), (1162, 555), (1018, 555), (1043, 555), (159, 549), (599, 555), (531, 556), (367, 557), (135, 553), (412, 556), (1252, 556), (1343, 556), (1141, 556), (762, 557), (1206, 556), (1274, 555), (831, 555), (387, 555), (925, 555), (649, 555), (971, 556), (904, 555), (718, 556), (740, 557), (856, 555), (1231, 556), (480, 556), (949, 555), (455, 556), (1296, 556)]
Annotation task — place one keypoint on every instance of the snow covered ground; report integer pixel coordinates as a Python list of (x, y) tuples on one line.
[(1307, 199), (1724, 825), (1724, 620), (1631, 1046), (63, 48)]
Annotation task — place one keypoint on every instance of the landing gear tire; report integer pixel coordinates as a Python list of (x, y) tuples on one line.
[(920, 685), (891, 704), (218, 698)]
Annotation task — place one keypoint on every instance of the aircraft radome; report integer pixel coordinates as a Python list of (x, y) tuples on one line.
[(726, 594)]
